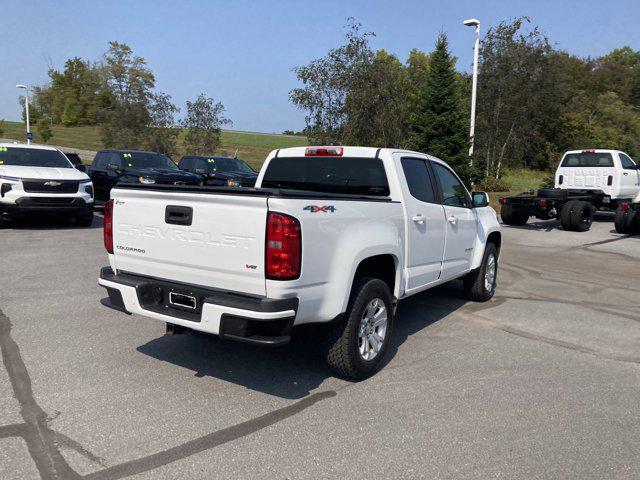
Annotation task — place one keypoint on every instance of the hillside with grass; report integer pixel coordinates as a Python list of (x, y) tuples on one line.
[(252, 147)]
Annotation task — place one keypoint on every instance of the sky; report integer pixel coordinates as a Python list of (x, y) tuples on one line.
[(242, 52)]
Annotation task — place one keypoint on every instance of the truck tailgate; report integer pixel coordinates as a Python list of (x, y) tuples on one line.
[(210, 240)]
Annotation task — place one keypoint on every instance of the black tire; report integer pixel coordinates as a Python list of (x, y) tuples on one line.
[(343, 343), (581, 216), (475, 287), (511, 217), (3, 221), (621, 221), (566, 215), (84, 220)]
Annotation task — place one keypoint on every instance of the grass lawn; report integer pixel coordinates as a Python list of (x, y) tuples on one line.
[(252, 147), (518, 180)]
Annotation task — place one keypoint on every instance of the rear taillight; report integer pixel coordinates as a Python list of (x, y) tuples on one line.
[(501, 200), (283, 247), (108, 226), (543, 202), (624, 206)]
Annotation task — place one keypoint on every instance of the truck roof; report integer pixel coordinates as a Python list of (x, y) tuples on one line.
[(24, 145), (348, 151), (594, 150)]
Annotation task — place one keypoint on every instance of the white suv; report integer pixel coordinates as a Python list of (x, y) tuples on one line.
[(35, 179)]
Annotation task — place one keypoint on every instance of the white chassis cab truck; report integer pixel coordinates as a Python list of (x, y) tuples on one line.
[(333, 235), (40, 180), (585, 181)]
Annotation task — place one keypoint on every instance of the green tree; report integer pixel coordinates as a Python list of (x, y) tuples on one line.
[(203, 123), (44, 130), (130, 82), (518, 97), (327, 81), (377, 103), (438, 127), (162, 134), (1, 127)]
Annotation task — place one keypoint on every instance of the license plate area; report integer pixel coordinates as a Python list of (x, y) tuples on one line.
[(182, 300)]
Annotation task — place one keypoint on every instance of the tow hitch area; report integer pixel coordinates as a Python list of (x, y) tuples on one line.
[(182, 300)]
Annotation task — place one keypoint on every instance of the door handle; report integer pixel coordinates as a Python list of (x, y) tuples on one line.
[(418, 219), (452, 220), (625, 174)]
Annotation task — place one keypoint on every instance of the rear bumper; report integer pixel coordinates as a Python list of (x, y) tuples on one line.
[(70, 206), (232, 316)]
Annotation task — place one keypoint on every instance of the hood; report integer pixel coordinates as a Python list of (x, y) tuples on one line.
[(43, 173), (162, 173)]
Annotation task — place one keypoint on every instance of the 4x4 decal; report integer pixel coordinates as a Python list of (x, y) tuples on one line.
[(320, 208)]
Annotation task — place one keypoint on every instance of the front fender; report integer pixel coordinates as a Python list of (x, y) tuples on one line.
[(487, 224)]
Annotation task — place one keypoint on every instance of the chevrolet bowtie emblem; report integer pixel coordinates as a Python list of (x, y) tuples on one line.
[(53, 183)]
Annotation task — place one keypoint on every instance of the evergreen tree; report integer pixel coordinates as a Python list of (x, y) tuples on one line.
[(438, 126)]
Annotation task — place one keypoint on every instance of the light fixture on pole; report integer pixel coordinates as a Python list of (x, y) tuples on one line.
[(26, 107), (473, 22)]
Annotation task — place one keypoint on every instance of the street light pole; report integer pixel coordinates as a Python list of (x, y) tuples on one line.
[(473, 22), (26, 107)]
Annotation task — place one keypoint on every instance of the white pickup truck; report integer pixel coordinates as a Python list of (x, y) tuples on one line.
[(585, 181), (331, 235)]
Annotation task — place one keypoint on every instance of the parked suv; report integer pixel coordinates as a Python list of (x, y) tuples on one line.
[(334, 235), (110, 167), (36, 179), (218, 171)]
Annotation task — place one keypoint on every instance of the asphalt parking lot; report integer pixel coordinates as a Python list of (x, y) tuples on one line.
[(541, 382)]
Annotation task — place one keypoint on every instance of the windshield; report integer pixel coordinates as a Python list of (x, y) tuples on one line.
[(587, 159), (229, 165), (33, 157), (147, 160), (360, 176)]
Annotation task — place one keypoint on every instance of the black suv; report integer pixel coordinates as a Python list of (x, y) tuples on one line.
[(227, 171), (132, 166)]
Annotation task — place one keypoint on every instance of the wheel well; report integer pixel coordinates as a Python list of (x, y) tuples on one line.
[(496, 239), (380, 266)]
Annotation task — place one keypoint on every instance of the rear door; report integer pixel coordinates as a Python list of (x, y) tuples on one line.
[(425, 225), (202, 239), (629, 180), (461, 223)]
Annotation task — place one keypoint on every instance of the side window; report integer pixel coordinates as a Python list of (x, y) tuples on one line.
[(200, 163), (418, 179), (453, 191), (185, 163), (115, 159), (100, 162), (627, 163)]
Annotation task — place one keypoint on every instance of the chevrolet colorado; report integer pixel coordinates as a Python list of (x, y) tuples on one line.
[(332, 235), (585, 181), (36, 179)]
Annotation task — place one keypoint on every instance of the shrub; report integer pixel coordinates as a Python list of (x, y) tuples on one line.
[(491, 184)]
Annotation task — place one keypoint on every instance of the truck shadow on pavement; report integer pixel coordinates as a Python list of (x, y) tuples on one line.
[(50, 223), (295, 370)]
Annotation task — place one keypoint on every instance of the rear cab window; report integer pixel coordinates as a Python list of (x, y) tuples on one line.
[(587, 159), (340, 175)]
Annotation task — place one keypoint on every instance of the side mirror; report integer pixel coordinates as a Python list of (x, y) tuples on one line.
[(81, 166), (113, 167), (200, 171), (480, 199)]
